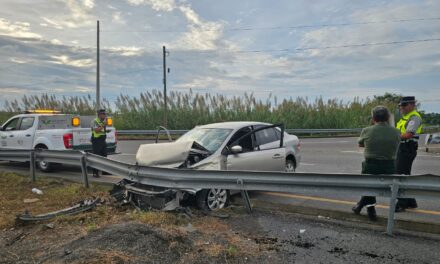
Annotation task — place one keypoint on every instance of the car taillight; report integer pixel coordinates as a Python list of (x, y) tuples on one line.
[(68, 140)]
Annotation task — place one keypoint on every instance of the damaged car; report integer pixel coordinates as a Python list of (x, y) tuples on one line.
[(238, 146)]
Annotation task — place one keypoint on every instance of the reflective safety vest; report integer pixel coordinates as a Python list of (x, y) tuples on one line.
[(401, 125), (98, 134)]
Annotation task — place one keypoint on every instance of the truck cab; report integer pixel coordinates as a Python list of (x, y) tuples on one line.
[(47, 129)]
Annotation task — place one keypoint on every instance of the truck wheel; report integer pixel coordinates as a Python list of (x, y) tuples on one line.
[(212, 199), (44, 166)]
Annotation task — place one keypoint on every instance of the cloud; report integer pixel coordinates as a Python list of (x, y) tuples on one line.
[(117, 18), (80, 15), (17, 29), (126, 51), (157, 5), (65, 60)]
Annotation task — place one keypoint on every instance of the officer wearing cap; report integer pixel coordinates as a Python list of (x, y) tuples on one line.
[(99, 136), (410, 127), (381, 142)]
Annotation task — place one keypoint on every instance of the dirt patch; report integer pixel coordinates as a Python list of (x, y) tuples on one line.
[(126, 243), (110, 233)]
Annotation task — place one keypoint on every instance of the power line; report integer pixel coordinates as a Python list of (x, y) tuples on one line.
[(318, 48), (283, 27)]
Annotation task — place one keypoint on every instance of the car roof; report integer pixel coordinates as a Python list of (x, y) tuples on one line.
[(232, 125)]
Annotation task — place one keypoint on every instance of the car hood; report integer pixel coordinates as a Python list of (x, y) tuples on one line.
[(167, 155)]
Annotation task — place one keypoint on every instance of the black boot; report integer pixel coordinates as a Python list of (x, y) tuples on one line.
[(371, 210), (357, 209), (412, 203)]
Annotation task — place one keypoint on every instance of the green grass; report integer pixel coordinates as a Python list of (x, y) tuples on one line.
[(186, 110)]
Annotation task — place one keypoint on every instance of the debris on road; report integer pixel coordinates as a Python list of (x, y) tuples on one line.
[(37, 191), (32, 200), (302, 231), (80, 207), (17, 238)]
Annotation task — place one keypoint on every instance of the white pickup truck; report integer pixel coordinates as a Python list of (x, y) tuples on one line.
[(49, 130)]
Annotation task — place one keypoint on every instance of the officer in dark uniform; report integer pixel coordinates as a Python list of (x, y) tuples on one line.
[(381, 142), (410, 127), (99, 136)]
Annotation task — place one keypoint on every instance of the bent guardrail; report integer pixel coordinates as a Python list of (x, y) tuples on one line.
[(392, 186), (292, 131)]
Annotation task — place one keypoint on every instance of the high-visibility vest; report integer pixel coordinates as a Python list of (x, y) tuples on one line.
[(102, 132), (401, 125)]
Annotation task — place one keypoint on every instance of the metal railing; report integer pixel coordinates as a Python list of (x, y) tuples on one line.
[(291, 131), (392, 186)]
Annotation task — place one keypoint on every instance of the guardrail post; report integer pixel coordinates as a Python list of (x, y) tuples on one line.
[(32, 165), (84, 170), (393, 200), (245, 196)]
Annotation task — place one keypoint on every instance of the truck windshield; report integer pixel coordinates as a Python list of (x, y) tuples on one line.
[(209, 138)]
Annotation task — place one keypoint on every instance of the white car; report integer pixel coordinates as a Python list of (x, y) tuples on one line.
[(47, 129), (248, 146)]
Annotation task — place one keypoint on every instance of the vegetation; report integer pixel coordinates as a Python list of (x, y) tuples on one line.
[(185, 110)]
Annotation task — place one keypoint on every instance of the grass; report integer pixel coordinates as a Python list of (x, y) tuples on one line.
[(57, 194), (186, 110)]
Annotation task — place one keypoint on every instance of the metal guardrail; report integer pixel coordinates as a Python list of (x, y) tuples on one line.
[(292, 131), (392, 186)]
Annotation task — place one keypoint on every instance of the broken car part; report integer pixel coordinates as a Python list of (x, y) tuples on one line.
[(82, 206)]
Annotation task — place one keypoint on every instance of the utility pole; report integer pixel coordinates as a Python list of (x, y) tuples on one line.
[(98, 95), (165, 117)]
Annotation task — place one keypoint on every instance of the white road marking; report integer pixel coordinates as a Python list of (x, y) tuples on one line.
[(323, 142), (352, 151), (307, 164)]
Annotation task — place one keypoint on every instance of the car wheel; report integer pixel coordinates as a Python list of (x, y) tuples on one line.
[(44, 166), (290, 166), (212, 199)]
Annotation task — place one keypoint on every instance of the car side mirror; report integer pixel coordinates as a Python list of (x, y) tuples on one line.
[(236, 149)]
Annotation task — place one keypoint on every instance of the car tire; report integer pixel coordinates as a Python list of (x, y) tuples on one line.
[(290, 166), (44, 166), (212, 199)]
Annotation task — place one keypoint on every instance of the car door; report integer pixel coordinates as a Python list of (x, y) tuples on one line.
[(263, 156), (7, 133), (25, 133)]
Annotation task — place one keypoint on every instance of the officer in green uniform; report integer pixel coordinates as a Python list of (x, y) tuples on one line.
[(99, 145), (410, 127), (380, 142)]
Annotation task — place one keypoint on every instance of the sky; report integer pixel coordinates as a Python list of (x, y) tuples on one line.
[(310, 48)]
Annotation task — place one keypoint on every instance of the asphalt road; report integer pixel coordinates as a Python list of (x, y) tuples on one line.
[(325, 155)]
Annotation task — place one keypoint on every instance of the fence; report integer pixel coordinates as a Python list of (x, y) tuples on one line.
[(392, 186)]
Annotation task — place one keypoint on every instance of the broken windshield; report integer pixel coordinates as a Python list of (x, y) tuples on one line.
[(209, 138)]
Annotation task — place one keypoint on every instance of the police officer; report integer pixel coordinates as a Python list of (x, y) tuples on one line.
[(99, 136), (410, 127), (381, 142)]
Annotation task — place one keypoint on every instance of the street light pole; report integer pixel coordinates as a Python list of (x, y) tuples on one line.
[(165, 118)]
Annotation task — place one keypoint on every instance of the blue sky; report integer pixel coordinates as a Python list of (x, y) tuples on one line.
[(49, 47)]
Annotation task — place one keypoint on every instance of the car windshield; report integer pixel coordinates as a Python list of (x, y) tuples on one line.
[(209, 138)]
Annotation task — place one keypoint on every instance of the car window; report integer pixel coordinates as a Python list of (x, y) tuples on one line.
[(266, 136), (246, 143), (209, 138), (26, 123), (11, 125)]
